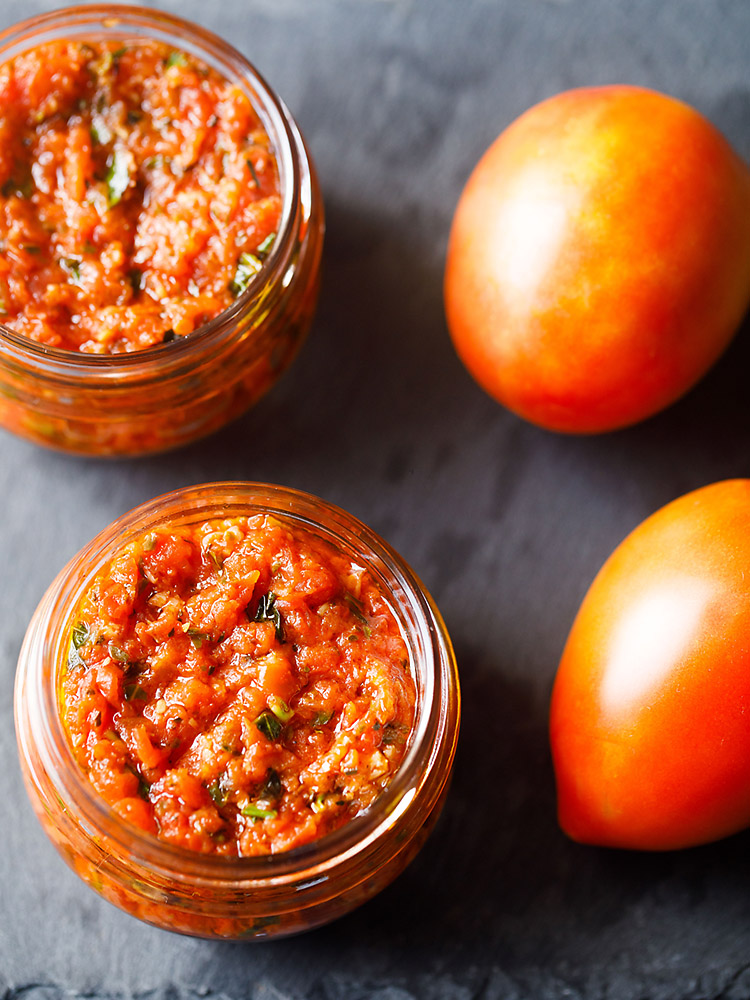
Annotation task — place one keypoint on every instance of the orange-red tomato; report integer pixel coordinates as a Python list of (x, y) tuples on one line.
[(650, 718), (599, 260)]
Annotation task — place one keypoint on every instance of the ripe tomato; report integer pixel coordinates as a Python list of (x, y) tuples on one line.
[(650, 718), (599, 259)]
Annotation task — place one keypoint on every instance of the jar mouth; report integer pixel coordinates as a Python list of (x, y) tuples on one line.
[(424, 632), (123, 21)]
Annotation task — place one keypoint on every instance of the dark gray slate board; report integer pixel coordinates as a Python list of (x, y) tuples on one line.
[(505, 523)]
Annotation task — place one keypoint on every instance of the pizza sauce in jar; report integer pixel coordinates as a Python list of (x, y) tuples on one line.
[(236, 687), (138, 194), (161, 231), (237, 711)]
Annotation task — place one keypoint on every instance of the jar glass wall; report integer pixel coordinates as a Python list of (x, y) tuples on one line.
[(169, 395), (217, 896)]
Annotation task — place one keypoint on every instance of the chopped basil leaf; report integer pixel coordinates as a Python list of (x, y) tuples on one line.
[(117, 652), (133, 692), (257, 812), (118, 178), (267, 611), (149, 542), (247, 267), (119, 53), (265, 247), (144, 790), (321, 718), (79, 634), (176, 59), (269, 725)]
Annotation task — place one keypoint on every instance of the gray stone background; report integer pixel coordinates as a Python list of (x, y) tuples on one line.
[(505, 523)]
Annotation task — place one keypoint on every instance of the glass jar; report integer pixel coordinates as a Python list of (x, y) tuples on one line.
[(169, 395), (210, 895)]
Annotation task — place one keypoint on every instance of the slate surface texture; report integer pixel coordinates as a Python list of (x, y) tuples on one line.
[(506, 524)]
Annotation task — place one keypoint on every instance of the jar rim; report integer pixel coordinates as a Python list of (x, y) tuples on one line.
[(431, 742), (114, 20)]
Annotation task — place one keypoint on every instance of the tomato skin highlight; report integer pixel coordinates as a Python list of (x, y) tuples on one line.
[(650, 713), (599, 258)]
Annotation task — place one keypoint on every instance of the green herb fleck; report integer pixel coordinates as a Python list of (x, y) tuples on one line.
[(117, 652), (268, 611), (217, 793), (80, 634), (134, 692), (72, 267), (258, 812), (217, 563), (357, 610), (21, 189), (118, 178), (144, 789), (247, 267), (74, 658), (176, 59), (149, 542), (269, 725), (280, 708), (31, 248), (197, 637), (272, 786), (265, 247), (394, 732), (253, 173), (321, 718)]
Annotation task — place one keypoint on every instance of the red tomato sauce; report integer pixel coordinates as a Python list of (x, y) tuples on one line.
[(139, 194), (236, 687)]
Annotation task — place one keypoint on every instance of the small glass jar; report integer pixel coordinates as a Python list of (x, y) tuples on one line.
[(169, 395), (211, 895)]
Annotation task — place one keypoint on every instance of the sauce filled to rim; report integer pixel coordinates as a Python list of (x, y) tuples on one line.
[(139, 194), (236, 687)]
